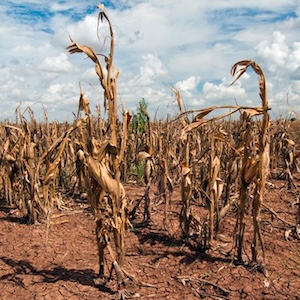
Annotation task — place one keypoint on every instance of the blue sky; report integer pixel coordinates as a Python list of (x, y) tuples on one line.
[(189, 44)]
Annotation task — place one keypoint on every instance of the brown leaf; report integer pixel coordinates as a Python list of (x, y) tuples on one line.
[(249, 170), (241, 67), (185, 170), (203, 113), (77, 48), (143, 155), (251, 112)]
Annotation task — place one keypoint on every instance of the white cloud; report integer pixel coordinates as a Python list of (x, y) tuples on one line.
[(282, 60), (155, 42), (223, 90), (275, 53), (188, 85), (278, 55), (294, 57), (56, 64), (150, 70), (60, 7)]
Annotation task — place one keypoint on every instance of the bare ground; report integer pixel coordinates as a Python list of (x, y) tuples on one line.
[(164, 267)]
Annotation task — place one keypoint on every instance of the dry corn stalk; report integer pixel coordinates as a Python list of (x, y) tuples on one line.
[(254, 168), (186, 216), (165, 185), (289, 160), (111, 219), (190, 225), (214, 168), (21, 179), (149, 167), (186, 193)]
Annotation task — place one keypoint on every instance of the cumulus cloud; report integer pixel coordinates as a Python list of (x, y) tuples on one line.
[(223, 91), (275, 53), (294, 58), (282, 59), (278, 55), (155, 42), (150, 70), (56, 64), (188, 85)]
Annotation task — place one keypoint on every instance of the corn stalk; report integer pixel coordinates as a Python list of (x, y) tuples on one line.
[(254, 168), (149, 167), (105, 190)]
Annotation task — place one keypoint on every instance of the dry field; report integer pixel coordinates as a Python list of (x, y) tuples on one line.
[(203, 205), (67, 268)]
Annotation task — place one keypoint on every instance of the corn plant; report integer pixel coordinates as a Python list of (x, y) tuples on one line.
[(102, 164), (255, 160), (254, 167)]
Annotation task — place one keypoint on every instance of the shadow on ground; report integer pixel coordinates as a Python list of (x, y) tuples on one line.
[(24, 267)]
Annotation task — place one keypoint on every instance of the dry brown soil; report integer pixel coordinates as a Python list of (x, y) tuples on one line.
[(163, 266)]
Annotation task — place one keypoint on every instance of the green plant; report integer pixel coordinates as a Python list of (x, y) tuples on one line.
[(139, 119), (137, 172), (140, 172)]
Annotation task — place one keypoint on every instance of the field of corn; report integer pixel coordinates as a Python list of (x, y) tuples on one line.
[(201, 206)]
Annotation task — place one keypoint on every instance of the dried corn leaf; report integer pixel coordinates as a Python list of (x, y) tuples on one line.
[(222, 131), (185, 170), (251, 112), (143, 155), (218, 187), (215, 169), (103, 176), (9, 158), (6, 146), (149, 169), (249, 170), (290, 142), (241, 67), (203, 113), (264, 163), (77, 48)]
